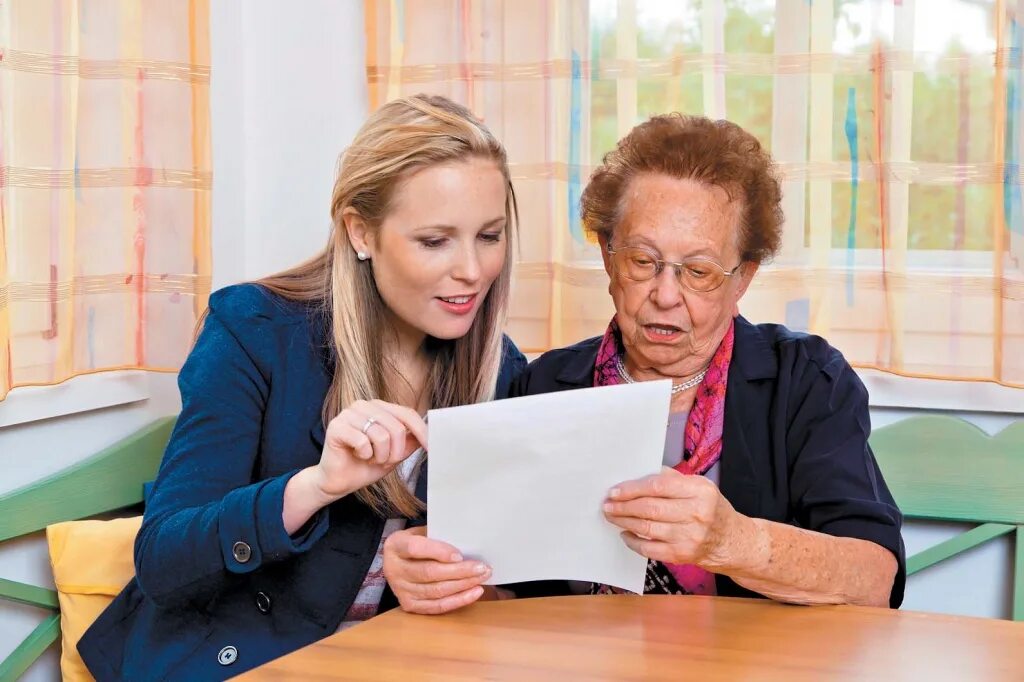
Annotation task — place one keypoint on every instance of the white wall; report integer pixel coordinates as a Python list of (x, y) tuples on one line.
[(287, 95)]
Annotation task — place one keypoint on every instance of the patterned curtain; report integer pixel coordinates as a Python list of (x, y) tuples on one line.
[(897, 126), (105, 178)]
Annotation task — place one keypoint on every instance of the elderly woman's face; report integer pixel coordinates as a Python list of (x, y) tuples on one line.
[(667, 328)]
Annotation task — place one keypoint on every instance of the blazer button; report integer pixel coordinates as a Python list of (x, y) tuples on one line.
[(263, 602), (241, 551), (227, 655)]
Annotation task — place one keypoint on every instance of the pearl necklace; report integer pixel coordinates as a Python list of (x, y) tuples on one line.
[(676, 389)]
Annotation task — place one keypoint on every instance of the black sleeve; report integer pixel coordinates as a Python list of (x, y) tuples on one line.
[(836, 486)]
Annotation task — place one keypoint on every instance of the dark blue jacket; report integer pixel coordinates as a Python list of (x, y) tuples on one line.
[(795, 441), (220, 586)]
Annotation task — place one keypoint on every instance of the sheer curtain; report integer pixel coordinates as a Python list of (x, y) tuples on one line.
[(897, 126), (105, 180)]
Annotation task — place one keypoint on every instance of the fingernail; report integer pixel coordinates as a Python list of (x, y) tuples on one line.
[(481, 569), (614, 492), (456, 557), (607, 506)]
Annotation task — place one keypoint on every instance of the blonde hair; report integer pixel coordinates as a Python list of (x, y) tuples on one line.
[(400, 138)]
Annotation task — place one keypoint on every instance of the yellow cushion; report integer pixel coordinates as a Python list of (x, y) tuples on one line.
[(92, 562)]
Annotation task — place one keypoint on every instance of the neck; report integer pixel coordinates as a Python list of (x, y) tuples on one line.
[(404, 349), (638, 373), (683, 402), (404, 343), (682, 398)]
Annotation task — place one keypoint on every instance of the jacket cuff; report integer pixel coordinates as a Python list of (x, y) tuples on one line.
[(885, 536), (251, 527)]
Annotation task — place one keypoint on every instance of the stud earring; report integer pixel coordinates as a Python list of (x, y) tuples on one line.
[(362, 255)]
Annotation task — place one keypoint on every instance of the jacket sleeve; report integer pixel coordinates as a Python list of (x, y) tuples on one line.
[(207, 519), (836, 486)]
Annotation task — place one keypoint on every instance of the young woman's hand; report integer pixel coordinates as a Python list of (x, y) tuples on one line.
[(361, 445), (430, 576), (364, 442)]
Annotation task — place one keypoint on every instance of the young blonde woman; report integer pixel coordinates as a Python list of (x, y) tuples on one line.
[(297, 451)]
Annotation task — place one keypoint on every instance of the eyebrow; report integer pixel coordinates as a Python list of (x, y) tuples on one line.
[(451, 228), (644, 242)]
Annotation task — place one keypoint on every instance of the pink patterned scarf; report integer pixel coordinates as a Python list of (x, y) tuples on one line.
[(703, 435)]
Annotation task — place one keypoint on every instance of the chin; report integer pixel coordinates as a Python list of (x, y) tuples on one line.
[(660, 355), (449, 332)]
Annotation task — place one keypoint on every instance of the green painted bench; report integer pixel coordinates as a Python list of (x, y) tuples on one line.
[(108, 481), (944, 469)]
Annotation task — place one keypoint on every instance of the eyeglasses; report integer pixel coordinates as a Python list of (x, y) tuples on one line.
[(698, 273)]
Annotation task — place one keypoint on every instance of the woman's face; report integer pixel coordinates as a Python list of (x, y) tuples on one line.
[(440, 247), (667, 329)]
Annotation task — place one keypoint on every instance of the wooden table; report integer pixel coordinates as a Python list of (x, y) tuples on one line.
[(661, 638)]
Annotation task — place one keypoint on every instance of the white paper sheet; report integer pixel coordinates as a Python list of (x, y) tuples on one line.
[(519, 483)]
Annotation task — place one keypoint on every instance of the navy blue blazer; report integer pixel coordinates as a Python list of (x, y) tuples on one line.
[(220, 586), (795, 441)]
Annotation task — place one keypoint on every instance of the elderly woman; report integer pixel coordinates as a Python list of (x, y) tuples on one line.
[(770, 487)]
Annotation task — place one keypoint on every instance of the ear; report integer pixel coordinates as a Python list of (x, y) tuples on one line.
[(746, 273), (603, 241), (359, 233)]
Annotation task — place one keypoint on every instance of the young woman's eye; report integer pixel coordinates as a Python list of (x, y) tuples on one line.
[(433, 242), (490, 237)]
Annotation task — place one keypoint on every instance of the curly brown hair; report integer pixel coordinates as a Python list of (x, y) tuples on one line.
[(717, 153)]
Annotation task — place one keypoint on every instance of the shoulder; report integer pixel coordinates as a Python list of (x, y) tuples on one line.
[(807, 352), (251, 303), (254, 315), (512, 363), (265, 326), (813, 375), (561, 357), (765, 351), (511, 357), (560, 369)]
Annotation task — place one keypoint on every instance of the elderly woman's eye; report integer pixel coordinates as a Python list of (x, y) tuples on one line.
[(642, 261), (698, 272)]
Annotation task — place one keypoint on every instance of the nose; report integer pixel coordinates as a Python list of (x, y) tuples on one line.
[(666, 291), (467, 266)]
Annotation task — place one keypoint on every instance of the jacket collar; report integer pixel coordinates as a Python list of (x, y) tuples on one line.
[(747, 402), (753, 355)]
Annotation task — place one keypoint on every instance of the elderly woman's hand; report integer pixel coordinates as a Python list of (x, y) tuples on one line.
[(430, 576), (674, 518)]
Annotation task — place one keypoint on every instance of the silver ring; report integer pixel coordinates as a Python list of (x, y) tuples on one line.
[(369, 422)]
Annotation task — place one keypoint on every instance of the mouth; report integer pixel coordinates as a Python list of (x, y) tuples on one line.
[(457, 300), (460, 305), (662, 333)]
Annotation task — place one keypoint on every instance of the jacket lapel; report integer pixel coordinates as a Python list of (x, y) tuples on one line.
[(747, 403)]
